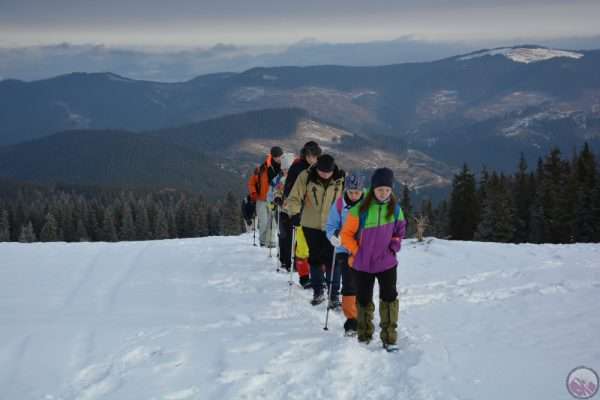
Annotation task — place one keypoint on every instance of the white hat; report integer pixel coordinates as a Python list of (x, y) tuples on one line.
[(286, 160)]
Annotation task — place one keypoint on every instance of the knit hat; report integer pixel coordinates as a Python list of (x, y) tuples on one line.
[(354, 182), (325, 163), (382, 177), (276, 151)]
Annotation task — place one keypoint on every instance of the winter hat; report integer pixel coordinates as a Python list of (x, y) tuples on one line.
[(287, 160), (276, 151), (325, 163), (354, 182), (382, 177), (311, 148)]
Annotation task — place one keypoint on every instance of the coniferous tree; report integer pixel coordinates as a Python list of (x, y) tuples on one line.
[(49, 231), (27, 234), (161, 227), (82, 234), (585, 173), (231, 215), (127, 229), (523, 201), (109, 232), (4, 226), (536, 214), (142, 224), (464, 207)]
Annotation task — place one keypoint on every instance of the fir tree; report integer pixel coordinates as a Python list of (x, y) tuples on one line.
[(127, 229), (464, 207), (49, 231), (27, 234), (522, 201), (4, 226), (109, 232), (161, 227), (231, 215)]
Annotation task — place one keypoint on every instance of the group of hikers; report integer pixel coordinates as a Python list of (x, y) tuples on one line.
[(335, 231)]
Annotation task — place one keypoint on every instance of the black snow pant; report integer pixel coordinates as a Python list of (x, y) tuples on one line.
[(320, 256), (387, 286), (285, 239)]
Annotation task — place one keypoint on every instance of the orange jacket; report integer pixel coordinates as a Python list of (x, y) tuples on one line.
[(258, 184)]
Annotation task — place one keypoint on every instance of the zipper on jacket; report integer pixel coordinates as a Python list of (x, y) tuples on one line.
[(315, 196)]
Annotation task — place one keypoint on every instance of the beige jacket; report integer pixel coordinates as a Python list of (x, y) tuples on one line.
[(313, 198)]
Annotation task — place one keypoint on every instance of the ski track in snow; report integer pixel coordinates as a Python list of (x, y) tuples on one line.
[(210, 318)]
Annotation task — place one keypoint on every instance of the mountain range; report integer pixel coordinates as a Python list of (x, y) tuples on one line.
[(426, 119)]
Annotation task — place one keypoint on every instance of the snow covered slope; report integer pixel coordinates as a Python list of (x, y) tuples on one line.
[(211, 319), (525, 55)]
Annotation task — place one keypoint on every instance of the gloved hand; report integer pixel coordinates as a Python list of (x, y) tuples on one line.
[(335, 241), (295, 220), (278, 201)]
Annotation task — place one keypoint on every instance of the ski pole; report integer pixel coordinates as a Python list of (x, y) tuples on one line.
[(329, 290), (278, 237), (254, 231), (278, 234), (270, 237), (292, 254)]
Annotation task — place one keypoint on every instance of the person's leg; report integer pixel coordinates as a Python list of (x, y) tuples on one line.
[(365, 306), (333, 278), (348, 292), (271, 233), (388, 306), (262, 215), (313, 240), (285, 240)]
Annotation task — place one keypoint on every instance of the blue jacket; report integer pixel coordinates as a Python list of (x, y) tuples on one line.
[(335, 221)]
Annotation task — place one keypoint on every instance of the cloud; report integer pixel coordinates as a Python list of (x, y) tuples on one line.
[(169, 65)]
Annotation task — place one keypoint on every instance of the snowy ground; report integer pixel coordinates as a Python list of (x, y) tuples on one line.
[(211, 319)]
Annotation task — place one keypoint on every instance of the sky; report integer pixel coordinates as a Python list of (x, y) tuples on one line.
[(193, 23)]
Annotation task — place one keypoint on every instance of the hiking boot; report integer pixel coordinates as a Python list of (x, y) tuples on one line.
[(318, 298), (365, 326), (350, 327), (334, 303), (388, 313), (305, 282)]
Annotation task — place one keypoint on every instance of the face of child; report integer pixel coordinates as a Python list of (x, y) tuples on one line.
[(325, 175), (312, 160), (354, 195), (382, 193)]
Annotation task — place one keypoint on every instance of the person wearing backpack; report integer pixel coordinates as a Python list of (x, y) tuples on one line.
[(308, 156), (353, 194), (309, 202), (373, 234), (259, 187)]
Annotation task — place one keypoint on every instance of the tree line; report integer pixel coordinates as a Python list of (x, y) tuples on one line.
[(30, 214), (557, 202)]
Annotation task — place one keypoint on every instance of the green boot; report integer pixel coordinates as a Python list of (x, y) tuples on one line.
[(365, 322), (388, 312)]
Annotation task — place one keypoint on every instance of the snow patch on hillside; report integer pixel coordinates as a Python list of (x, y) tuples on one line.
[(525, 55)]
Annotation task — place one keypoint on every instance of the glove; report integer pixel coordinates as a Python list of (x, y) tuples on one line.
[(278, 201), (335, 241), (295, 220)]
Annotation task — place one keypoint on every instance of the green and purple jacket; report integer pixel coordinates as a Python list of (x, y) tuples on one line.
[(372, 237)]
